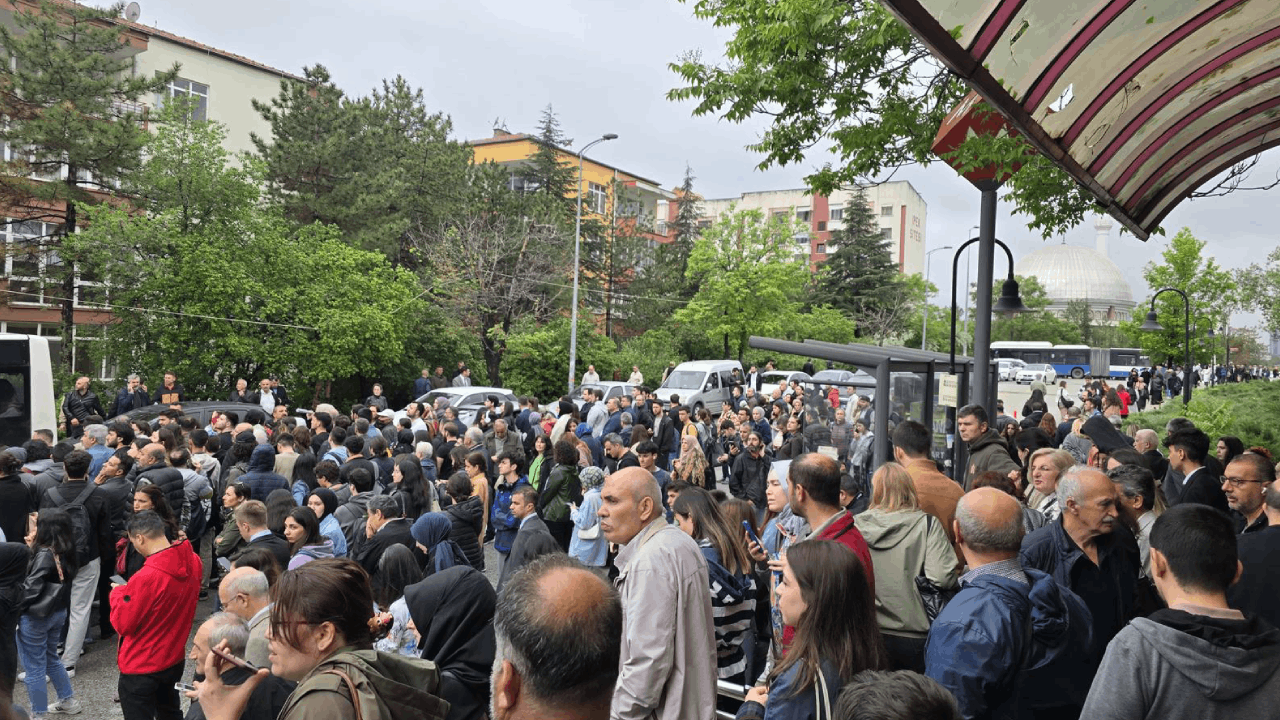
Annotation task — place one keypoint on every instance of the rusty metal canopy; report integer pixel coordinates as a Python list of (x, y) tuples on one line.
[(1141, 102)]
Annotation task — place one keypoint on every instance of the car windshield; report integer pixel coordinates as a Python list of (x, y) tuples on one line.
[(432, 396), (831, 375), (685, 380)]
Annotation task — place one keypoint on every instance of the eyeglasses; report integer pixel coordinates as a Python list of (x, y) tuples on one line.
[(1237, 482)]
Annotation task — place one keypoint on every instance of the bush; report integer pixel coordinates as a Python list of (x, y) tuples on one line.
[(1246, 410), (536, 361)]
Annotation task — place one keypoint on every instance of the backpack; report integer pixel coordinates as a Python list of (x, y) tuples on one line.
[(349, 517), (81, 526)]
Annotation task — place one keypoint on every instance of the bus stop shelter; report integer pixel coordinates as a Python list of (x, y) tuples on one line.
[(909, 386)]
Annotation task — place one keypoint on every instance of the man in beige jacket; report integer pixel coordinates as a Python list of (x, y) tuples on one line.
[(667, 669)]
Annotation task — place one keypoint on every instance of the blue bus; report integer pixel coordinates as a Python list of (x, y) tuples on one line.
[(1077, 361)]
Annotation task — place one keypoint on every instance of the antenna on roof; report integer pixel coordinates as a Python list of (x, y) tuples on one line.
[(132, 12)]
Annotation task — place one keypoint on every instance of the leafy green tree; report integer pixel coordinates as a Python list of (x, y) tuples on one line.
[(378, 167), (750, 278), (536, 360), (861, 278), (1036, 324), (848, 77), (69, 104), (1260, 282), (255, 292), (1211, 290), (1080, 314), (622, 245)]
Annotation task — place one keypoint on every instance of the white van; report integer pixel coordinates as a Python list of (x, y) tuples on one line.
[(701, 383)]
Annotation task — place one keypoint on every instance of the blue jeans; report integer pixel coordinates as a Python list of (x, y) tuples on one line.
[(38, 648)]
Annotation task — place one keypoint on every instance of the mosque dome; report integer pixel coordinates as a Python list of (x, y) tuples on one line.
[(1076, 272)]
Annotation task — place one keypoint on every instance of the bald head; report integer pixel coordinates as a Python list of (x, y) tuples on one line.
[(154, 452), (989, 522), (1145, 440), (638, 483), (244, 591), (629, 501), (559, 629)]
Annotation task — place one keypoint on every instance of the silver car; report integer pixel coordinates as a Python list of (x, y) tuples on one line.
[(469, 401)]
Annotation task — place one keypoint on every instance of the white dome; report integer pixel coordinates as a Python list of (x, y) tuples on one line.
[(1075, 272)]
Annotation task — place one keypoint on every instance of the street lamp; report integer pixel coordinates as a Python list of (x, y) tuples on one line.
[(1009, 302), (924, 331), (577, 246), (1152, 324)]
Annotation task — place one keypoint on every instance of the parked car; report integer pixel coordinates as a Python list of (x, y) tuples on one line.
[(844, 376), (609, 389), (468, 401), (701, 383), (771, 379), (1031, 373), (201, 410), (1009, 367)]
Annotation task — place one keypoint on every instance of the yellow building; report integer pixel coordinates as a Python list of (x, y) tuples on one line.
[(643, 199)]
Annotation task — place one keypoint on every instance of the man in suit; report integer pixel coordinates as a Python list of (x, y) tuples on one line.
[(533, 539), (385, 526), (244, 592), (251, 521), (664, 434), (1147, 442)]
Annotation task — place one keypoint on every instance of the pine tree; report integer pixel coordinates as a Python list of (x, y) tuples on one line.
[(664, 279), (553, 175), (860, 278), (69, 103)]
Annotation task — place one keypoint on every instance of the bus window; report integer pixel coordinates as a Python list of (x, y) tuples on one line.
[(15, 416)]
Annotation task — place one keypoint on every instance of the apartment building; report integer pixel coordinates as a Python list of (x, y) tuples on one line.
[(900, 212), (224, 85)]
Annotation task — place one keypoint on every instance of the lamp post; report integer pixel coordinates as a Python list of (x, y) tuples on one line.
[(924, 330), (1152, 324), (577, 246), (968, 268), (1009, 303)]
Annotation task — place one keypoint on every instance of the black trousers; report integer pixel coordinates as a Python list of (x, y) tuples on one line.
[(562, 531), (905, 653), (151, 696)]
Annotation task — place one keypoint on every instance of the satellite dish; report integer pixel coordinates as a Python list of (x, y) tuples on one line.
[(132, 11)]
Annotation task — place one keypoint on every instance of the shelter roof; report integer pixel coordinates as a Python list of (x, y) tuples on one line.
[(1140, 102)]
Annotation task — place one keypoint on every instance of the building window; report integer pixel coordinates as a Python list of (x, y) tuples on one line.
[(186, 88), (803, 215), (822, 249), (522, 184), (779, 216), (886, 233), (837, 213), (822, 225), (886, 211), (660, 227), (597, 198), (28, 256)]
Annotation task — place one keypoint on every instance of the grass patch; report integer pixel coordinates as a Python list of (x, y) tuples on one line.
[(1250, 411)]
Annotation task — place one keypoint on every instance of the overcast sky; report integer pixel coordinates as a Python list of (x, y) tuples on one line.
[(603, 67)]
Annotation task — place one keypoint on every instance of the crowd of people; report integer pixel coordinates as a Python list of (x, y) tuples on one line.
[(652, 561)]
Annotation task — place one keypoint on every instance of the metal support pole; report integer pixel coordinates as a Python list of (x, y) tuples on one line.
[(982, 326), (577, 249), (883, 407), (1186, 370)]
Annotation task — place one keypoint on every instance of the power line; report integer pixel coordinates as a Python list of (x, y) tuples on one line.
[(108, 306)]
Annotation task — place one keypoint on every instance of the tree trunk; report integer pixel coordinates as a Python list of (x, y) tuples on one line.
[(69, 279)]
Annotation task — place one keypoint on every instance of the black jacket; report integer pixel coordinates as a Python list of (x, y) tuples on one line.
[(265, 703), (80, 407), (277, 545), (16, 502), (1259, 585), (666, 441), (1158, 463), (1202, 487), (170, 396), (749, 477), (262, 477), (44, 593), (169, 480), (240, 397), (101, 540), (126, 401), (1108, 589), (467, 517), (368, 551), (117, 493), (532, 542)]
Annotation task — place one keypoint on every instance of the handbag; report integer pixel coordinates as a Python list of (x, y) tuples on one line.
[(932, 597), (590, 533)]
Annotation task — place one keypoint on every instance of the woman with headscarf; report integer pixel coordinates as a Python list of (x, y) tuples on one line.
[(592, 551), (452, 612), (323, 502), (397, 570), (431, 533), (691, 466), (14, 558)]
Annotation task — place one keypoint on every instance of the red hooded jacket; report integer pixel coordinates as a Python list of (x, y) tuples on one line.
[(153, 612)]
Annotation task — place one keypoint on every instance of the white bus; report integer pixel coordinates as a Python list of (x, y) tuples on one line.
[(26, 388)]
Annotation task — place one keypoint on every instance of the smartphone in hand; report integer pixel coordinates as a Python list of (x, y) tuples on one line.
[(238, 662), (116, 580)]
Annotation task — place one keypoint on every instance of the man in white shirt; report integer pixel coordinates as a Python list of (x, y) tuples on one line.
[(590, 377)]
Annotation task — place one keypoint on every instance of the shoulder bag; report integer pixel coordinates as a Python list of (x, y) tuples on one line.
[(932, 597)]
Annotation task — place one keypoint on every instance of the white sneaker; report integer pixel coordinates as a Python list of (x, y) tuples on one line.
[(69, 706), (71, 672)]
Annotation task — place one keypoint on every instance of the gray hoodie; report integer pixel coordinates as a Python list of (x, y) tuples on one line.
[(904, 544), (1179, 665)]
